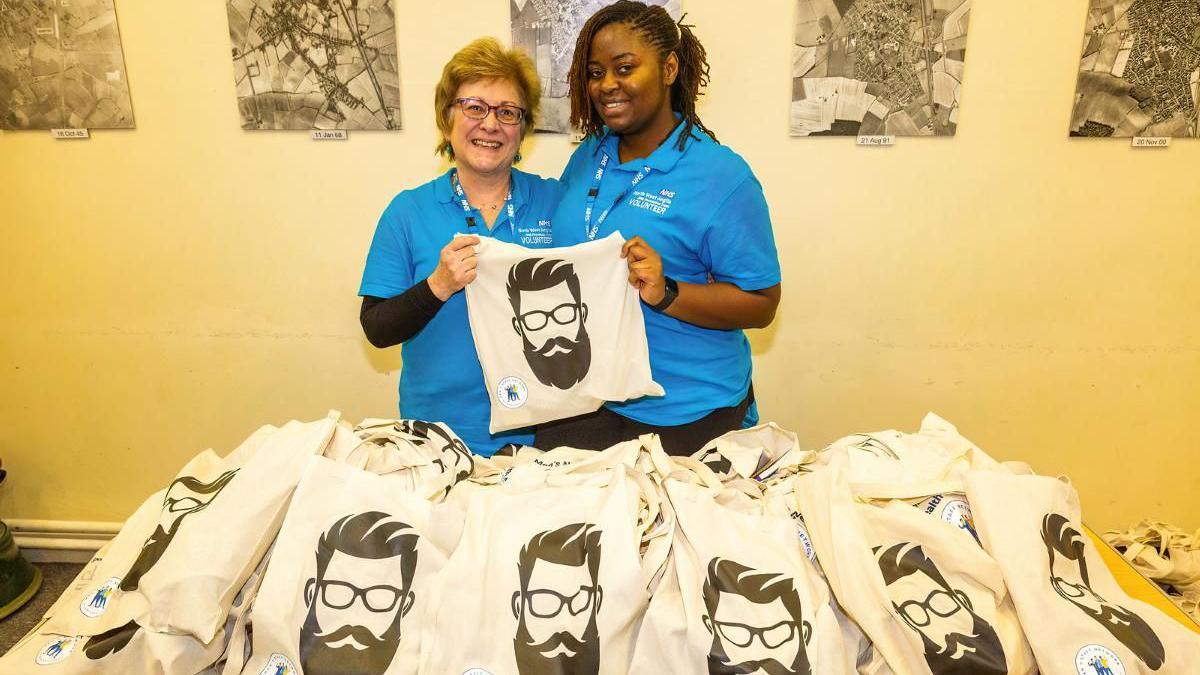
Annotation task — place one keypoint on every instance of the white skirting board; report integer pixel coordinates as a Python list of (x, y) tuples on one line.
[(60, 540)]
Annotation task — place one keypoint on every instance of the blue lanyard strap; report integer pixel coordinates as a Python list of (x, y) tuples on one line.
[(468, 211), (592, 230)]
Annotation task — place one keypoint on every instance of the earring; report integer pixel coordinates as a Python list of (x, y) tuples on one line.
[(517, 158)]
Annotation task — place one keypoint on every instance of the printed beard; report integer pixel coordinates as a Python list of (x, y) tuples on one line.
[(1133, 632), (371, 656), (152, 550), (584, 657), (563, 369), (719, 666), (976, 654)]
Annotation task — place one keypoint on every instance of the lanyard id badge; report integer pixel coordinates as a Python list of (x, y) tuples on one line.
[(590, 230), (466, 206)]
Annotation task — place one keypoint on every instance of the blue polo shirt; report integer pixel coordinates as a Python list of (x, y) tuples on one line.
[(704, 212), (440, 377)]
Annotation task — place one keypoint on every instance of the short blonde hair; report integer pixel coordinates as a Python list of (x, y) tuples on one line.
[(485, 59)]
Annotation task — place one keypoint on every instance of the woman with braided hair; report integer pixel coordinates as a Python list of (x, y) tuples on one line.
[(699, 243)]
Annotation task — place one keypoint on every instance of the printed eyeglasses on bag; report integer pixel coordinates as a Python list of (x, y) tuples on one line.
[(563, 314), (340, 595), (1073, 591), (771, 637), (940, 603), (546, 604), (478, 109)]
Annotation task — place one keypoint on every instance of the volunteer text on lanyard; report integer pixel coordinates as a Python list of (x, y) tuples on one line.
[(592, 230), (466, 205)]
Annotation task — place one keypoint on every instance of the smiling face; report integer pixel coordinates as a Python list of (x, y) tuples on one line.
[(627, 82), (485, 147)]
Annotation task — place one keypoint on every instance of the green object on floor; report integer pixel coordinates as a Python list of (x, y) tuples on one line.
[(19, 579)]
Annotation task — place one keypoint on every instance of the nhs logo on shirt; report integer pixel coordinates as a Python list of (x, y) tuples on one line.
[(654, 202), (535, 235)]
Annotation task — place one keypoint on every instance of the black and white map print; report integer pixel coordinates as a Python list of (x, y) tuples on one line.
[(878, 67), (315, 64), (547, 30), (1139, 74), (61, 66)]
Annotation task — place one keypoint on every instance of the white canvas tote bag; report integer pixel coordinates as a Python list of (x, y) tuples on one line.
[(216, 525), (96, 602), (544, 581), (752, 600), (1078, 619), (559, 331), (350, 576), (750, 453), (925, 593), (125, 650)]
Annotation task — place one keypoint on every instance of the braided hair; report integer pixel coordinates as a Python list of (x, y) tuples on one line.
[(659, 30)]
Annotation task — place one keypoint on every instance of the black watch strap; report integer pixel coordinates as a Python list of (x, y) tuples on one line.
[(672, 292)]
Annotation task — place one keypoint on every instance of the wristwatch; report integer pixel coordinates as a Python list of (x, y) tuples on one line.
[(672, 292)]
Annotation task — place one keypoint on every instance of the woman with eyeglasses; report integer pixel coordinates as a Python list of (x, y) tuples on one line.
[(699, 242), (485, 104)]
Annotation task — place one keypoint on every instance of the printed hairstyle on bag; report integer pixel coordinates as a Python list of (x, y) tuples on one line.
[(897, 563), (110, 641), (1065, 540), (654, 25), (366, 535), (485, 59), (727, 576), (200, 487), (539, 274), (571, 545)]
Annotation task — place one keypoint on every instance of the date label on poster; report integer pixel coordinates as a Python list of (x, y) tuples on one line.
[(1151, 141), (330, 135), (876, 140), (61, 134)]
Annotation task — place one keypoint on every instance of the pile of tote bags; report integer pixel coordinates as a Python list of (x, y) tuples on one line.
[(322, 548)]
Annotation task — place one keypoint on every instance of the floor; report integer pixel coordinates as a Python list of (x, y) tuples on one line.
[(55, 579)]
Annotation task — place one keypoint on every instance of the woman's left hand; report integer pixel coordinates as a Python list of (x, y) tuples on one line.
[(645, 270)]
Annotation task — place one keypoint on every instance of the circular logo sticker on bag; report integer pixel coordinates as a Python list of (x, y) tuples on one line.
[(511, 392), (57, 651), (806, 543), (95, 602), (1098, 660), (957, 512), (278, 664)]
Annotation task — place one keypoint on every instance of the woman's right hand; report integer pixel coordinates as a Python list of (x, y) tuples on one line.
[(456, 267)]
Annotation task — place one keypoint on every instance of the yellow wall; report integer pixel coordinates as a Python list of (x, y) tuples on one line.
[(171, 288)]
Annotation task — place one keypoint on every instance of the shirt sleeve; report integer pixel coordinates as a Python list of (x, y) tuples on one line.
[(587, 147), (389, 268), (738, 246), (391, 321)]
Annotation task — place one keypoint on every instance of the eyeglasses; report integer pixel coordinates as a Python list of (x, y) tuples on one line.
[(546, 604), (340, 595), (562, 315), (478, 109), (743, 635), (938, 603)]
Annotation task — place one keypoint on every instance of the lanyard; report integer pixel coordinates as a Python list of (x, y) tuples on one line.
[(592, 230), (466, 205)]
